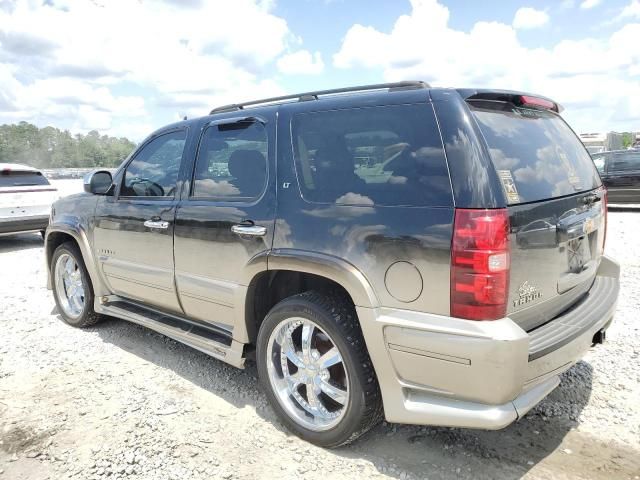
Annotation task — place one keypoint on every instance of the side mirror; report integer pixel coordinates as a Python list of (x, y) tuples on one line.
[(98, 182)]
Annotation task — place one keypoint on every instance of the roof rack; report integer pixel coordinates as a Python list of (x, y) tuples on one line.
[(307, 96)]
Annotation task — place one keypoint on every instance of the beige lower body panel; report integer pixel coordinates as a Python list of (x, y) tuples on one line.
[(437, 370)]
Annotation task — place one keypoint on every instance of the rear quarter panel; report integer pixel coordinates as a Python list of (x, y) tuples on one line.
[(371, 238)]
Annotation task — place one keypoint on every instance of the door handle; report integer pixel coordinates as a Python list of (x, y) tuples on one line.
[(249, 230), (156, 224)]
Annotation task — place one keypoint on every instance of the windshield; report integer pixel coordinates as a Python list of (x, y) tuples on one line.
[(536, 155), (10, 178)]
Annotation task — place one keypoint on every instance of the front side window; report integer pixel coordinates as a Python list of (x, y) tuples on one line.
[(626, 161), (232, 162), (386, 155), (154, 170)]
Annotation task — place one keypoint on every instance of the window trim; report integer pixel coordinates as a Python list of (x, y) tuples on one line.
[(222, 199), (140, 148)]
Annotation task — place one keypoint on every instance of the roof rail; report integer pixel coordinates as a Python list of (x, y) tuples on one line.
[(307, 96)]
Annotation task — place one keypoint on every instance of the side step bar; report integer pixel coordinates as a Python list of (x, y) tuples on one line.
[(208, 339)]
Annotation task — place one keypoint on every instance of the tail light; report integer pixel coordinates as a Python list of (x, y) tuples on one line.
[(480, 264)]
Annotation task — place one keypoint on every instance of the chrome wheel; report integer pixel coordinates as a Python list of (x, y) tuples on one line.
[(69, 286), (307, 374)]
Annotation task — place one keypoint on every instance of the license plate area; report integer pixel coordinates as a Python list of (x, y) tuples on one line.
[(578, 253)]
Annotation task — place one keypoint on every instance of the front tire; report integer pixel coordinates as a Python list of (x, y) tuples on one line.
[(314, 367), (72, 287)]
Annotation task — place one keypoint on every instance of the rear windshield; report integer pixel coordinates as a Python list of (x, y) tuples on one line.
[(384, 155), (21, 179), (537, 156)]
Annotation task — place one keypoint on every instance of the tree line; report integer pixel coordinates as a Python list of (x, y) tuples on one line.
[(51, 147)]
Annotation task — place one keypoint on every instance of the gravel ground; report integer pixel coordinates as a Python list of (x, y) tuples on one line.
[(119, 401)]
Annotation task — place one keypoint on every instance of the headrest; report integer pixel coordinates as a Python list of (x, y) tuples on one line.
[(246, 162)]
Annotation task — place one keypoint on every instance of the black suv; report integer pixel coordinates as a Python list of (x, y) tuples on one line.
[(433, 256), (620, 172)]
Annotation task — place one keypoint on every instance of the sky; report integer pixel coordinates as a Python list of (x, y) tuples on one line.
[(127, 67)]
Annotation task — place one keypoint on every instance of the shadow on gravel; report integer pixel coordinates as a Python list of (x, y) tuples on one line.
[(395, 450), (23, 241)]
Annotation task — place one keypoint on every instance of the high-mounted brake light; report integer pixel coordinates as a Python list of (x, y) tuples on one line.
[(480, 264), (537, 102)]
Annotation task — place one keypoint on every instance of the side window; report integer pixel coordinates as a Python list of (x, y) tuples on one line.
[(599, 161), (231, 162), (153, 172), (386, 155), (626, 161)]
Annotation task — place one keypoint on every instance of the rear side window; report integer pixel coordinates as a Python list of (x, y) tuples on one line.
[(16, 178), (386, 155), (232, 162), (625, 162), (536, 154)]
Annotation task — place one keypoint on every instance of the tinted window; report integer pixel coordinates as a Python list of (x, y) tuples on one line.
[(154, 170), (389, 155), (536, 154), (625, 161), (232, 161), (9, 178)]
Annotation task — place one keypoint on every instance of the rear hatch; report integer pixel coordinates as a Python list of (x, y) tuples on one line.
[(24, 193), (556, 204)]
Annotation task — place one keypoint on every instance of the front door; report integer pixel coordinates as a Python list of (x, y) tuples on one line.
[(133, 236), (225, 221)]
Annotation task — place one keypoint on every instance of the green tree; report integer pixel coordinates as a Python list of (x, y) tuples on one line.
[(50, 147)]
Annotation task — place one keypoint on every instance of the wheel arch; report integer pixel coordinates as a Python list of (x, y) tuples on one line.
[(58, 234), (291, 272)]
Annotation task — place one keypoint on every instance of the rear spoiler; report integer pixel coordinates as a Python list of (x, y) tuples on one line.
[(517, 98)]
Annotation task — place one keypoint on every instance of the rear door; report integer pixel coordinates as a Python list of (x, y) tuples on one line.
[(225, 222), (555, 203), (133, 236), (623, 177)]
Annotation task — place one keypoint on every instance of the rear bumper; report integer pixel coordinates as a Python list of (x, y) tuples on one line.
[(23, 224), (437, 370)]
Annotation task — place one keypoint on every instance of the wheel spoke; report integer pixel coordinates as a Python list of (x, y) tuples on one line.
[(69, 266), (77, 302), (289, 349), (336, 393), (307, 335), (312, 397), (330, 358), (294, 380)]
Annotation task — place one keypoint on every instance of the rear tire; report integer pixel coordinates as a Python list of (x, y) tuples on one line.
[(72, 288), (329, 405)]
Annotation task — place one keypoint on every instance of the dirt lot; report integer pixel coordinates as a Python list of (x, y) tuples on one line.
[(119, 401)]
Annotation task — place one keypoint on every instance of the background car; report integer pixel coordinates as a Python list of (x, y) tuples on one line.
[(620, 172), (25, 199)]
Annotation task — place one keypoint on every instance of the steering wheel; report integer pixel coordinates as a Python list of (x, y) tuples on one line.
[(150, 188)]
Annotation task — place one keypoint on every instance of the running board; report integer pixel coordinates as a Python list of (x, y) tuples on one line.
[(208, 339)]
